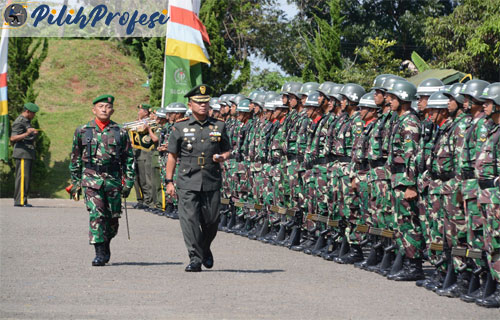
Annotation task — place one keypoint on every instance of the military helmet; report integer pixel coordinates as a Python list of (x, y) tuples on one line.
[(294, 88), (368, 101), (214, 103), (223, 99), (474, 88), (335, 91), (237, 98), (379, 80), (325, 87), (404, 90), (429, 86), (387, 82), (272, 95), (176, 107), (438, 100), (161, 113), (243, 106), (189, 112), (492, 92), (353, 92), (253, 95), (312, 100), (308, 87), (278, 103), (454, 92), (260, 99), (270, 103)]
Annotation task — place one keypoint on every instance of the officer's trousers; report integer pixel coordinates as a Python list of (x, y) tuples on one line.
[(23, 177), (199, 219)]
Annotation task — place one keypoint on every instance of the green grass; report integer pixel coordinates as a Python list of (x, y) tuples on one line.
[(74, 73)]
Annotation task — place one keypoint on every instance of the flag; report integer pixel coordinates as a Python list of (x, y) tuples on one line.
[(4, 112), (185, 50)]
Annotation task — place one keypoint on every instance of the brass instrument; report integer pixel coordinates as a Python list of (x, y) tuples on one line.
[(139, 137), (139, 125)]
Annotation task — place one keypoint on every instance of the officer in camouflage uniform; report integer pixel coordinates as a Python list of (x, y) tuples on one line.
[(488, 172), (23, 136), (405, 137), (101, 158), (158, 191), (342, 145), (470, 144)]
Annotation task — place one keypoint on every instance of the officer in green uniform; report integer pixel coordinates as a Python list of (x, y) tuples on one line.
[(23, 136), (200, 144)]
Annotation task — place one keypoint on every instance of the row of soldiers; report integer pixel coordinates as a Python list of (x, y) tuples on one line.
[(404, 173)]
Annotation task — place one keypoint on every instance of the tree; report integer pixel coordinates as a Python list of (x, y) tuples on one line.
[(468, 39), (154, 53), (24, 60), (325, 47)]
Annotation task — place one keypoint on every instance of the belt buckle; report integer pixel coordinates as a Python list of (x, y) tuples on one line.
[(201, 161)]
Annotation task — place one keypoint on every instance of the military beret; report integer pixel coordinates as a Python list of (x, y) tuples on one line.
[(31, 107), (104, 98), (145, 106), (199, 93)]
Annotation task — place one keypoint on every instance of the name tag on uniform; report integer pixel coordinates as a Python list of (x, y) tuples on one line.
[(189, 134)]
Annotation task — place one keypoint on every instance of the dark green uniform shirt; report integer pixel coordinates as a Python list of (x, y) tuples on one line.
[(195, 143), (23, 149)]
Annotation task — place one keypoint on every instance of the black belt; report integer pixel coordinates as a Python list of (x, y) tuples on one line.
[(468, 174), (398, 168), (199, 160), (324, 160), (363, 166), (443, 177), (485, 184), (297, 157), (342, 159), (377, 163), (108, 168)]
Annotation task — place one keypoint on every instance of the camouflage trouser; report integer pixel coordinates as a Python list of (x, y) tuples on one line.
[(435, 222), (345, 196), (292, 177), (277, 185), (233, 183), (359, 214), (424, 205), (324, 194), (284, 184), (311, 193), (408, 231), (379, 204), (226, 180), (475, 231), (264, 179), (334, 186), (455, 226), (256, 185), (492, 234), (104, 207)]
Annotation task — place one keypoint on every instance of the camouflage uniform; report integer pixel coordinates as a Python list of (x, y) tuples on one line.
[(403, 144), (487, 169), (98, 166)]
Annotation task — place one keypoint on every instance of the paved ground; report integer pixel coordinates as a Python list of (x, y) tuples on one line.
[(46, 273)]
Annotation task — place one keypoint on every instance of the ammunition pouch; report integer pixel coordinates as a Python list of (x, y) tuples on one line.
[(377, 163), (467, 174), (485, 184), (324, 160), (398, 168), (443, 177), (363, 166)]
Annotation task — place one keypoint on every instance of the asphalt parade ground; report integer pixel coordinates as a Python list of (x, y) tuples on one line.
[(46, 273)]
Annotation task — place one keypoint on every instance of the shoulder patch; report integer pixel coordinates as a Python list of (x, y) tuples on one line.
[(182, 119)]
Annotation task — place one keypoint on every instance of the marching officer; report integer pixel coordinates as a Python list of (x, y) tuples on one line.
[(23, 136), (100, 158), (200, 144)]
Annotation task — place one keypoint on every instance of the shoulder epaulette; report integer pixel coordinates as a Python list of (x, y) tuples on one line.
[(182, 119), (220, 119)]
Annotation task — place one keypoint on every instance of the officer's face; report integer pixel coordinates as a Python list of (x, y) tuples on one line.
[(452, 105), (488, 107), (343, 103), (142, 113), (378, 97), (30, 114), (199, 108), (303, 99), (293, 101), (422, 103), (103, 111), (251, 106), (233, 109), (285, 99)]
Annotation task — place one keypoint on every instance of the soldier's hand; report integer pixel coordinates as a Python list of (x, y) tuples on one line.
[(126, 191), (162, 148), (171, 189), (410, 194), (75, 192), (32, 131), (218, 158)]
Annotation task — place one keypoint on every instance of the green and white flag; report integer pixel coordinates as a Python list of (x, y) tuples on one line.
[(4, 111), (179, 78)]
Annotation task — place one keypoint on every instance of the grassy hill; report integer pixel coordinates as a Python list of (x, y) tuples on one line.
[(75, 72)]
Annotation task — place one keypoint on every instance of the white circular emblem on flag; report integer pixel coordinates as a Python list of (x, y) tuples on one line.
[(180, 76)]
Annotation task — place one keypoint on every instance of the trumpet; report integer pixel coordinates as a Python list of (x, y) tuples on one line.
[(139, 125)]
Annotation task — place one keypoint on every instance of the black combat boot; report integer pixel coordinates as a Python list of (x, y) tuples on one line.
[(355, 255), (384, 267), (458, 288), (492, 300), (475, 289), (412, 271), (374, 258), (320, 244), (100, 253), (489, 289), (107, 251), (175, 213)]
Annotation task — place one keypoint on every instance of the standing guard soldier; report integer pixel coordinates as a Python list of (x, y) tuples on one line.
[(403, 144), (201, 144), (101, 158), (23, 136), (488, 172)]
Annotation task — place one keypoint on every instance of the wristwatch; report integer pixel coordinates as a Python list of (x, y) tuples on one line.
[(167, 181)]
